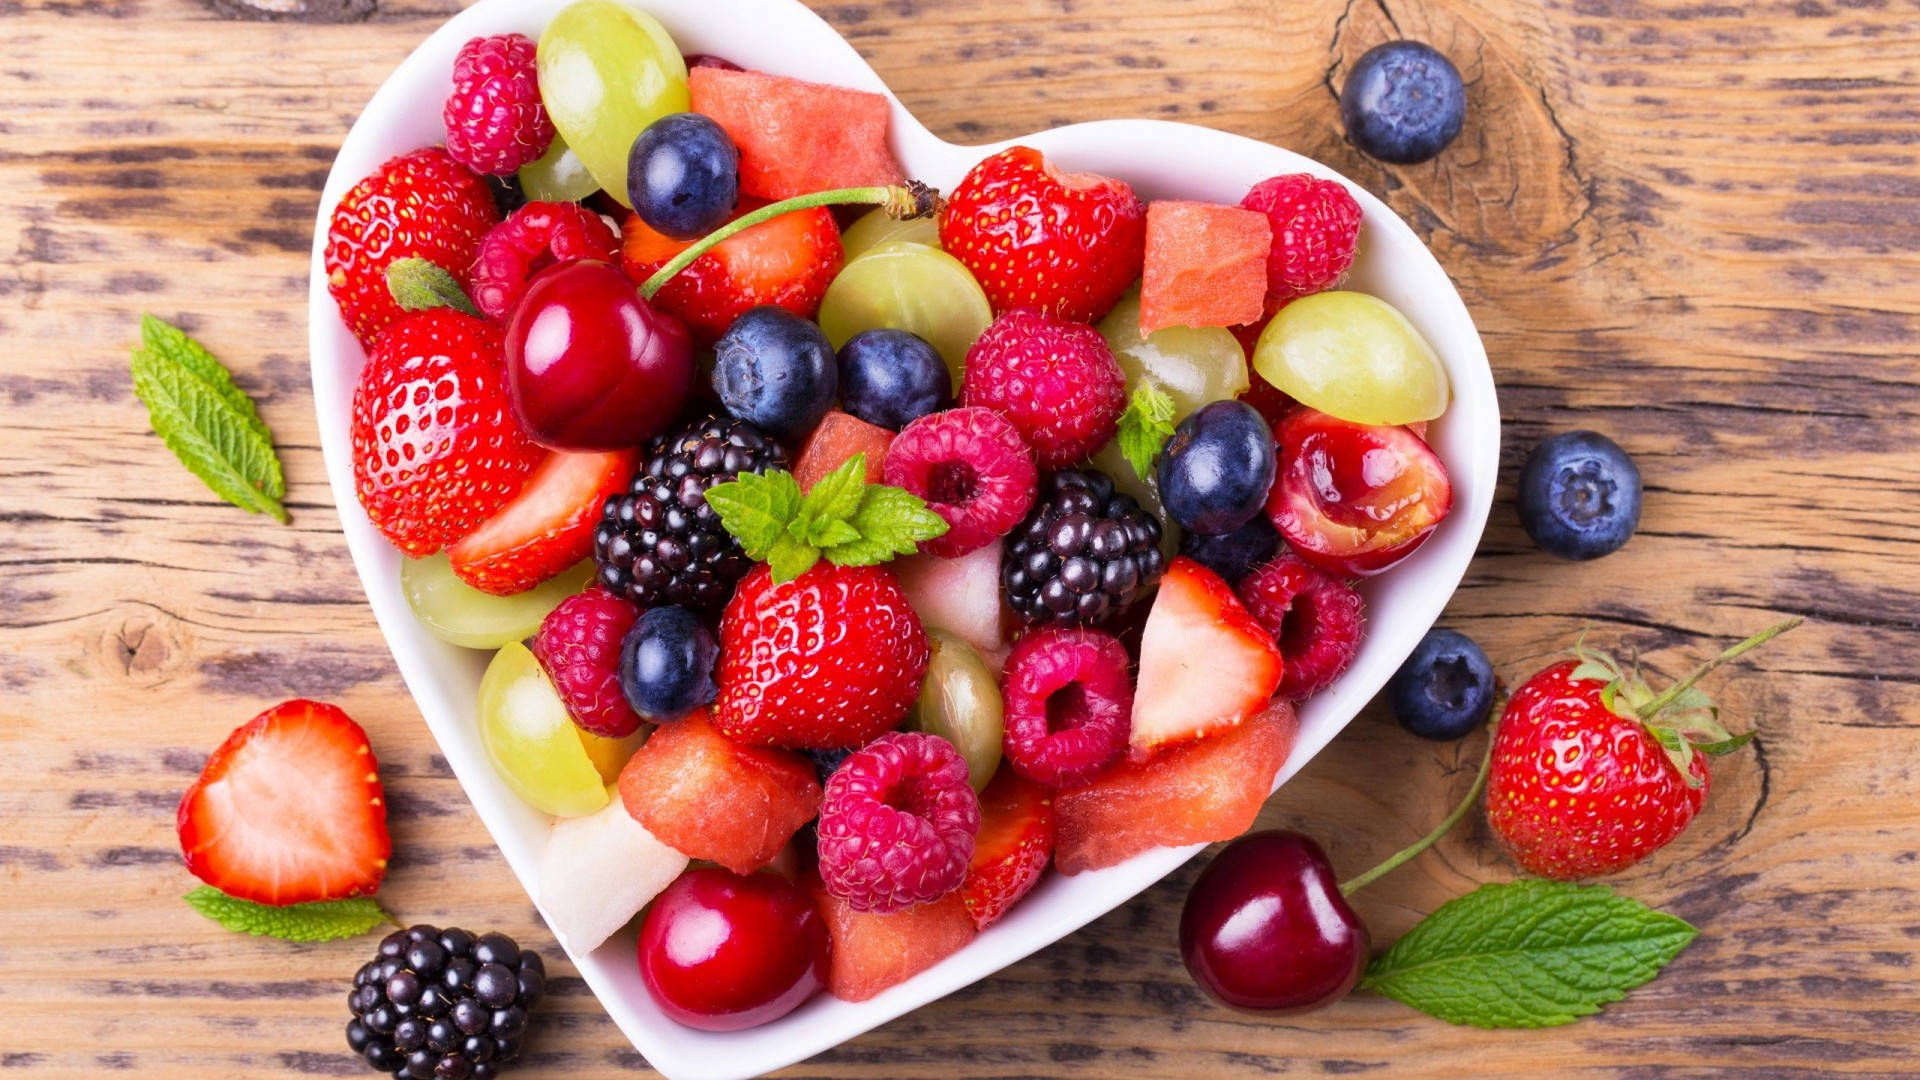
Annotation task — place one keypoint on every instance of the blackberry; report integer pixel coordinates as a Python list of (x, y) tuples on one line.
[(1084, 554), (438, 1004), (827, 762), (661, 543)]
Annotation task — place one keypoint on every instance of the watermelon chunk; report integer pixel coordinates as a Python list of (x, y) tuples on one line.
[(838, 438), (1194, 793), (711, 798), (1206, 265), (873, 952), (797, 137)]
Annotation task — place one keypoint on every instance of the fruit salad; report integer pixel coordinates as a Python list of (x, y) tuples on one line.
[(853, 556)]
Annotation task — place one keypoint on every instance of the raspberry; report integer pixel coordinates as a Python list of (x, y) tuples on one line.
[(1056, 380), (1068, 705), (1316, 225), (495, 121), (1314, 617), (897, 824), (972, 468), (534, 237), (578, 644)]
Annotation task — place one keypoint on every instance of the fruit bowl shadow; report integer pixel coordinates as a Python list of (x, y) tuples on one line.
[(1159, 159)]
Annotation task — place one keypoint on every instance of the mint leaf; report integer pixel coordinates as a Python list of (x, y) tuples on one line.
[(198, 421), (790, 558), (172, 344), (837, 494), (418, 285), (322, 920), (890, 522), (757, 508), (1145, 427), (1527, 954)]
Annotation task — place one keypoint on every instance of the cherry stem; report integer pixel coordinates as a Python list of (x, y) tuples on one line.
[(909, 200), (1673, 692), (1394, 861)]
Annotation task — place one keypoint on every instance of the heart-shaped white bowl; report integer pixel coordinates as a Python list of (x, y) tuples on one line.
[(1159, 159)]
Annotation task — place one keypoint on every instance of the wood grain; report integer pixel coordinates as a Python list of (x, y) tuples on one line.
[(1692, 224)]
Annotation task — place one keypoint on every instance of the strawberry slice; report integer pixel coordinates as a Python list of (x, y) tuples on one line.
[(1012, 848), (289, 809), (1206, 664), (788, 262), (547, 527)]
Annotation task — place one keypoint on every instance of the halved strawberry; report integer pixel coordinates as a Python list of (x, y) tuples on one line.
[(1205, 662), (788, 262), (289, 809), (1012, 848), (544, 529)]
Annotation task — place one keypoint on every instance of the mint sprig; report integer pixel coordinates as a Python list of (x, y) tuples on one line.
[(1145, 427), (843, 519), (206, 420), (321, 920), (1527, 954), (419, 285)]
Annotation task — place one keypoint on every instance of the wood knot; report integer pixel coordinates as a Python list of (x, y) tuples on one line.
[(144, 648)]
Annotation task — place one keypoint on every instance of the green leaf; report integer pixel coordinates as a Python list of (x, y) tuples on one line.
[(890, 522), (837, 494), (830, 532), (322, 920), (172, 344), (790, 558), (1595, 670), (210, 437), (418, 285), (1145, 427), (1726, 746), (757, 508), (1527, 954)]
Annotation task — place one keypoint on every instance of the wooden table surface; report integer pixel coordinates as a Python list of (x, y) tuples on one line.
[(1692, 225)]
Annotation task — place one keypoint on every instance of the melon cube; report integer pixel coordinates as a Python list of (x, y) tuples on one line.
[(711, 798), (597, 872), (798, 137), (838, 438), (960, 596), (1194, 793), (872, 952), (1206, 265)]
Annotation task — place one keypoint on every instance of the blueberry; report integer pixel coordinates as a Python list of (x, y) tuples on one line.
[(666, 664), (1233, 555), (1444, 689), (1579, 495), (1403, 102), (1215, 471), (892, 378), (776, 371), (683, 176)]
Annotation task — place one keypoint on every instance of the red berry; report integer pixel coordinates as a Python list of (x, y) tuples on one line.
[(1352, 499), (1064, 243), (972, 468), (1012, 849), (897, 823), (787, 262), (1314, 617), (1067, 702), (830, 659), (436, 450), (546, 528), (1316, 227), (534, 237), (578, 644), (420, 205), (722, 951), (1057, 381), (495, 121)]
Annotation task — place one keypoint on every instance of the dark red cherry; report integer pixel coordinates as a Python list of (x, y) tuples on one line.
[(722, 951), (592, 366), (1265, 929), (1352, 499)]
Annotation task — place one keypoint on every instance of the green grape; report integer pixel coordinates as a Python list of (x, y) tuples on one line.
[(1143, 489), (877, 227), (1354, 357), (960, 702), (608, 70), (558, 176), (536, 747), (908, 286), (458, 613), (1192, 365)]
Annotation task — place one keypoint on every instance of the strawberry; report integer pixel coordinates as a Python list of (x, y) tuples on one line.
[(831, 659), (1593, 771), (436, 449), (289, 809), (1012, 848), (1067, 244), (1206, 663), (423, 204), (787, 262), (547, 527)]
